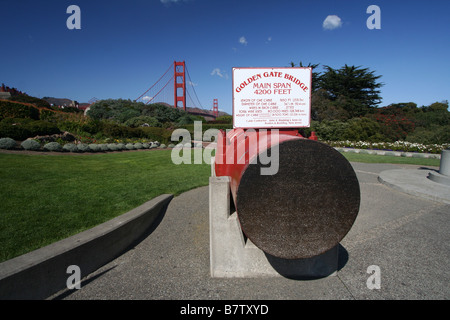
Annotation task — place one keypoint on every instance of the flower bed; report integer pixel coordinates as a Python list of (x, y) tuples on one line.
[(402, 146)]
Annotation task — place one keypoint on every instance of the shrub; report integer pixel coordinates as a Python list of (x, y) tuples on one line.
[(145, 145), (119, 109), (40, 103), (394, 127), (53, 146), (14, 131), (224, 119), (189, 119), (17, 110), (7, 143), (433, 135), (70, 147), (92, 126), (112, 147), (331, 130), (121, 146), (130, 146), (163, 146), (162, 112), (31, 144), (94, 147), (205, 126), (17, 121), (156, 134), (138, 145), (114, 131), (363, 129), (140, 121), (83, 147), (42, 128), (21, 129)]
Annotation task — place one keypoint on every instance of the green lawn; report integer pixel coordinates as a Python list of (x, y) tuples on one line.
[(370, 158), (48, 198)]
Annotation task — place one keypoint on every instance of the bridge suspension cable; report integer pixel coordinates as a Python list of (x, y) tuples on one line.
[(169, 86), (148, 98), (193, 89)]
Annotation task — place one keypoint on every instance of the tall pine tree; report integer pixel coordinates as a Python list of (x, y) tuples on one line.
[(354, 89)]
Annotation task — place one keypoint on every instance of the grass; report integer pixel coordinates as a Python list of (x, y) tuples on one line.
[(370, 158), (48, 198)]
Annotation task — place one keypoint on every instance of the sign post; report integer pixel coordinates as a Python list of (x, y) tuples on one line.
[(272, 98)]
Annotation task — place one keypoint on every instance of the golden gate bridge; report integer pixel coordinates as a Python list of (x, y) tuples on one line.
[(174, 88)]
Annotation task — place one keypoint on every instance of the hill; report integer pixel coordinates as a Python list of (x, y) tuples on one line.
[(60, 101)]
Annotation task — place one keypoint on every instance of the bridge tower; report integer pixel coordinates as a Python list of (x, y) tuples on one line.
[(180, 83), (216, 107)]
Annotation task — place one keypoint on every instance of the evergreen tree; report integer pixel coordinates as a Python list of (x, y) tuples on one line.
[(355, 89)]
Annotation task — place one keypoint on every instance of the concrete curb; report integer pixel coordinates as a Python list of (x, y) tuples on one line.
[(43, 272), (415, 183), (390, 153)]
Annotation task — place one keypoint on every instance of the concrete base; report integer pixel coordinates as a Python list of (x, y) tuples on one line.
[(444, 167), (232, 255), (416, 183), (439, 178)]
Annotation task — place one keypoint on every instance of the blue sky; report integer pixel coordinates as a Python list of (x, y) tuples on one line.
[(123, 47)]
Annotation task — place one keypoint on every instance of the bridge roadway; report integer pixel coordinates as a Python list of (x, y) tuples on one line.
[(406, 236)]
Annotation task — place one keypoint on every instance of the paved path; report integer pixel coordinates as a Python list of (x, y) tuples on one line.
[(406, 236)]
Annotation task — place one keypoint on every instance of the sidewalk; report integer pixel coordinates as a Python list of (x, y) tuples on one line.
[(405, 235)]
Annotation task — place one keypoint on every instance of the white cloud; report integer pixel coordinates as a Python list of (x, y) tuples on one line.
[(269, 39), (217, 71), (167, 3), (243, 41), (220, 73), (147, 98), (332, 22)]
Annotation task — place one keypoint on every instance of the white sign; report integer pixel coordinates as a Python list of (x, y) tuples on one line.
[(272, 97)]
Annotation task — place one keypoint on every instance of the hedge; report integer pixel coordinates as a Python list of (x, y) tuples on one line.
[(17, 110), (21, 129)]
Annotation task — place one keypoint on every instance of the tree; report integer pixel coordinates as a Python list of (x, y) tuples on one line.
[(323, 109), (438, 106), (315, 75), (363, 129), (355, 89)]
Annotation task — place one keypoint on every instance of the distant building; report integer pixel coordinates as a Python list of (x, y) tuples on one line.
[(4, 90), (5, 95)]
